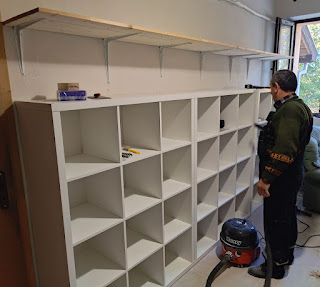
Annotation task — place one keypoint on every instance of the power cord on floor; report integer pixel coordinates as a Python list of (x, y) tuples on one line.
[(304, 244)]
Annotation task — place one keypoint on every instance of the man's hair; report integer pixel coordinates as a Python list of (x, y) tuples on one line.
[(286, 79)]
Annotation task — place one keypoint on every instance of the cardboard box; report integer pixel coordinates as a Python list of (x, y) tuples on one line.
[(68, 86)]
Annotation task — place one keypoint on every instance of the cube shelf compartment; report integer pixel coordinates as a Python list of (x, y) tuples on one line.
[(84, 154), (177, 215), (176, 171), (207, 233), (148, 273), (140, 129), (225, 212), (144, 235), (228, 150), (243, 175), (246, 110), (208, 118), (178, 256), (243, 205), (176, 124), (265, 102), (227, 185), (257, 200), (121, 282), (101, 260), (245, 144), (208, 159), (207, 197), (142, 185), (229, 106), (95, 204)]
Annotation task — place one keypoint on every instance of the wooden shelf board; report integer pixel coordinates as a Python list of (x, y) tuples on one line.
[(202, 136), (144, 153), (95, 270), (88, 221), (176, 266), (139, 279), (171, 144), (203, 174), (224, 198), (67, 23), (241, 187), (204, 244), (172, 187), (203, 210), (139, 247), (173, 228), (136, 202), (82, 165)]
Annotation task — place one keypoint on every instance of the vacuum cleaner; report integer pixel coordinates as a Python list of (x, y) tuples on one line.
[(240, 245)]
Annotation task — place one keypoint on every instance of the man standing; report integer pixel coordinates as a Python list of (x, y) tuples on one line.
[(281, 147)]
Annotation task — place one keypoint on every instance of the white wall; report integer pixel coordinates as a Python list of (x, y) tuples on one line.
[(289, 8), (51, 58)]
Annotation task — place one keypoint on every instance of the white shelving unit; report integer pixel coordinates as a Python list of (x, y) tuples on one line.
[(265, 102), (145, 220)]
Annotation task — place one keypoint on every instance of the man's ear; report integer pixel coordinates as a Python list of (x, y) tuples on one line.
[(276, 85)]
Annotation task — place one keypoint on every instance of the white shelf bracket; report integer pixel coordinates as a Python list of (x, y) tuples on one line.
[(230, 65), (201, 63), (240, 56), (106, 42), (161, 48), (248, 66), (17, 30)]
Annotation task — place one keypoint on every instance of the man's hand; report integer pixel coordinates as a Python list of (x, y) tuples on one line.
[(263, 188)]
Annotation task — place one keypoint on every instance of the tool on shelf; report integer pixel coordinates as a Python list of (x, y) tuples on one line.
[(127, 148)]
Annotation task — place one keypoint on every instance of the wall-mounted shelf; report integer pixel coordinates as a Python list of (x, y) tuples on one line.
[(67, 23)]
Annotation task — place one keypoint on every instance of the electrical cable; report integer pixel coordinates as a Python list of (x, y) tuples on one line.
[(304, 244)]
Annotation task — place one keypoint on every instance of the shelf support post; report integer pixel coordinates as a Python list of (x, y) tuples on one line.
[(161, 48), (17, 30), (106, 42), (248, 67)]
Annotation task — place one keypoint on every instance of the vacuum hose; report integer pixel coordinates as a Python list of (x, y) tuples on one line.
[(216, 269), (269, 263)]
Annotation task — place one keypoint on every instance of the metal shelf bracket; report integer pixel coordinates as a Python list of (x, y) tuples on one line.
[(17, 30), (106, 42), (161, 49), (246, 56)]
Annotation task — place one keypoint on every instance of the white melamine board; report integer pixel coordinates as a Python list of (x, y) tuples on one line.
[(93, 132), (208, 154), (265, 105), (208, 117), (140, 126), (82, 165), (228, 149), (177, 165), (207, 197), (227, 181), (207, 233), (178, 256), (149, 273), (225, 212), (243, 175), (121, 282), (256, 170), (243, 202), (136, 202), (95, 204), (144, 154), (176, 120), (246, 109), (257, 200), (203, 174), (245, 143), (170, 144), (101, 260), (229, 106), (172, 187), (178, 215), (139, 247)]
